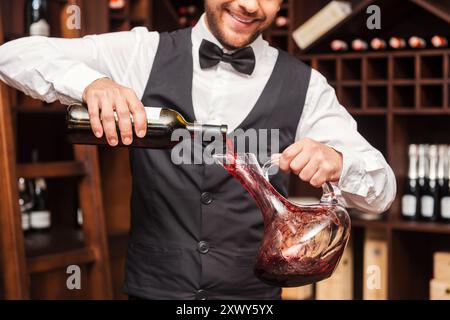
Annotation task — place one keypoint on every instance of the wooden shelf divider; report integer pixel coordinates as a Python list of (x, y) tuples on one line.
[(45, 263), (51, 169)]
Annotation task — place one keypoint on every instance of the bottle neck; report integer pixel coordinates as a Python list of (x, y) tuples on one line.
[(433, 166), (441, 167), (207, 132), (422, 167), (412, 172), (447, 167)]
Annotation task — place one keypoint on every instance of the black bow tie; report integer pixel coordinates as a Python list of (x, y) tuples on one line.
[(243, 60)]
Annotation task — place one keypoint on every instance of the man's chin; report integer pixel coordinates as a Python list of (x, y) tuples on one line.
[(234, 41)]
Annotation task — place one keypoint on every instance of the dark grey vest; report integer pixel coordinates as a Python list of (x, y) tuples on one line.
[(195, 230)]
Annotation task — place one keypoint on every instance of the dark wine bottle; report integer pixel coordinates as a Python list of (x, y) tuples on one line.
[(338, 45), (445, 187), (397, 43), (422, 151), (359, 45), (78, 213), (378, 44), (161, 123), (281, 22), (411, 191), (37, 18), (439, 41), (25, 202), (40, 217), (79, 217), (116, 4), (429, 195), (417, 42)]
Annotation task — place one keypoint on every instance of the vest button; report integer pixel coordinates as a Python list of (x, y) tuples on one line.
[(206, 198), (201, 295), (203, 247)]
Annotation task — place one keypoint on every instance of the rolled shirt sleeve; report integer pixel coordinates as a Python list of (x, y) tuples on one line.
[(52, 69)]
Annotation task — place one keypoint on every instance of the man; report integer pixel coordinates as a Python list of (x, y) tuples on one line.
[(194, 229)]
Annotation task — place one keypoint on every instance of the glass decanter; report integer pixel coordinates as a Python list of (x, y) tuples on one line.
[(302, 244)]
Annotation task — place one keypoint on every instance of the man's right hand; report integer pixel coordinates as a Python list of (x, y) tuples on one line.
[(103, 97)]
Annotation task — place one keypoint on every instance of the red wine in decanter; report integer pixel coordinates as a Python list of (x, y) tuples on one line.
[(295, 248)]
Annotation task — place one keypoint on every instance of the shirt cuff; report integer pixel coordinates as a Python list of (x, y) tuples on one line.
[(76, 80), (354, 178)]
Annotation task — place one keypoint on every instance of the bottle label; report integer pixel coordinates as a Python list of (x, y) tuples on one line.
[(25, 221), (40, 219), (40, 28), (153, 113), (445, 207), (409, 203), (427, 206)]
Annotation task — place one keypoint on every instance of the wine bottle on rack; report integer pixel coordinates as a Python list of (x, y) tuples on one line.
[(282, 21), (359, 45), (37, 18), (439, 41), (445, 188), (40, 217), (77, 213), (378, 44), (397, 43), (117, 4), (339, 45), (188, 15), (422, 151), (417, 42), (161, 122), (411, 191), (429, 195), (79, 217), (25, 202)]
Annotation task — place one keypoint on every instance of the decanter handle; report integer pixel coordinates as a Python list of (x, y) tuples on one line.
[(328, 196)]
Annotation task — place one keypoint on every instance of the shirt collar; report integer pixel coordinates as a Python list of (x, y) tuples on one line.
[(200, 31)]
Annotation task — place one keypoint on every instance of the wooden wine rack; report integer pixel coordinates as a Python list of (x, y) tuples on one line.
[(397, 98), (35, 266)]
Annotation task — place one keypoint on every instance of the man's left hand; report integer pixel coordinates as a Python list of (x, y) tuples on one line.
[(312, 162)]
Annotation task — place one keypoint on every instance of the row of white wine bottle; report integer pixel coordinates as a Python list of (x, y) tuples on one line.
[(426, 195)]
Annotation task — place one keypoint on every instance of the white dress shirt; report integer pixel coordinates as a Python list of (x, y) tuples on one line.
[(60, 69)]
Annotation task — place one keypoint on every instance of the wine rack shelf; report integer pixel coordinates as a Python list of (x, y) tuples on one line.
[(397, 98), (51, 170), (401, 225), (46, 263), (395, 81), (56, 250), (33, 265)]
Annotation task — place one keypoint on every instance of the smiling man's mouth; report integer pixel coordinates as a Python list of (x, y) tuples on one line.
[(241, 19)]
